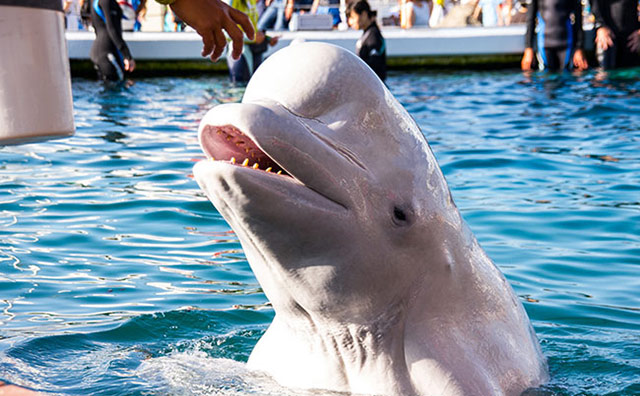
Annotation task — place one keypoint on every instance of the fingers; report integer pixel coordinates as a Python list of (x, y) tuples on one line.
[(237, 39), (602, 43), (221, 43), (633, 42), (243, 21), (208, 42)]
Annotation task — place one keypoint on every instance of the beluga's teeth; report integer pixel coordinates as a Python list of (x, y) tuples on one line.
[(279, 172), (255, 166), (245, 162), (268, 170), (233, 160)]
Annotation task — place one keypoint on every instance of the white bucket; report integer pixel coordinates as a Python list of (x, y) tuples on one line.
[(35, 82)]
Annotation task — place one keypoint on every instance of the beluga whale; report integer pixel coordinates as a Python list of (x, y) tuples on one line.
[(378, 285)]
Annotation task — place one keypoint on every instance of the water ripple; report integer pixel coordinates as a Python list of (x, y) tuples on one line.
[(115, 267)]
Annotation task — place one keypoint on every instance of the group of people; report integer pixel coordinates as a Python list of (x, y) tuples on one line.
[(554, 38), (456, 13), (112, 58)]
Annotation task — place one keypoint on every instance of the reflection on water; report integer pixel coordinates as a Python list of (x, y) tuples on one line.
[(119, 278)]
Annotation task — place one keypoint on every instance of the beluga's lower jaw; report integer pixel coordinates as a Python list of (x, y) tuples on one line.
[(378, 285)]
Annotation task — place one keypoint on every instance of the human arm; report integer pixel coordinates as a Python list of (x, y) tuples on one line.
[(209, 18), (526, 64), (529, 36), (577, 25), (579, 58), (604, 35), (314, 6), (476, 11)]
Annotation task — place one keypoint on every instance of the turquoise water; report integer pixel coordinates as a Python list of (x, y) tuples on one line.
[(119, 278)]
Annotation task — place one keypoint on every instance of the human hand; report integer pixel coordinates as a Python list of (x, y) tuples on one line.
[(274, 40), (604, 38), (527, 59), (633, 41), (129, 65), (208, 18), (260, 36), (579, 60)]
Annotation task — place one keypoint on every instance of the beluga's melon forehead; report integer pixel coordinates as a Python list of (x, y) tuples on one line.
[(325, 82)]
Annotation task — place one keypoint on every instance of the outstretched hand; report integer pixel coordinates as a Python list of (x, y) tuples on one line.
[(208, 18)]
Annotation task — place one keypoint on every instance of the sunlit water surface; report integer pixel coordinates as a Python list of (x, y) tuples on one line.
[(118, 277)]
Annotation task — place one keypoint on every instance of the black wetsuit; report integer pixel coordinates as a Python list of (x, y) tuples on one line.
[(621, 17), (109, 49), (372, 49), (559, 31)]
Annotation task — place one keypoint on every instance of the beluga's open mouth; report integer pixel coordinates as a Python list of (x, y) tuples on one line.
[(228, 143)]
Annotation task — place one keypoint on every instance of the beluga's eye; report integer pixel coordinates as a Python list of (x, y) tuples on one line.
[(400, 216)]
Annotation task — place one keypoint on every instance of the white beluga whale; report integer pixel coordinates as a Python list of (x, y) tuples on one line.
[(378, 285)]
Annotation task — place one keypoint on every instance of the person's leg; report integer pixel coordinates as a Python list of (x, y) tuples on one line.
[(281, 21), (108, 68), (625, 57), (268, 18), (607, 59), (552, 60)]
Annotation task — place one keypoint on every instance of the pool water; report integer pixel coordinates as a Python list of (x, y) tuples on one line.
[(118, 277)]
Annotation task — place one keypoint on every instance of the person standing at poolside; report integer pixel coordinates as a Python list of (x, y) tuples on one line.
[(371, 47), (617, 32), (241, 69), (559, 35), (109, 53), (414, 13)]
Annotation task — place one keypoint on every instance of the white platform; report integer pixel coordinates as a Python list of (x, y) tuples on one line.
[(400, 43)]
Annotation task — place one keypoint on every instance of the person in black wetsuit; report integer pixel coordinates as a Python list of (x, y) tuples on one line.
[(109, 53), (617, 32), (559, 35), (371, 47)]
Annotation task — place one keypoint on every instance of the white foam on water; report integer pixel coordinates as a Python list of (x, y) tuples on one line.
[(194, 373)]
